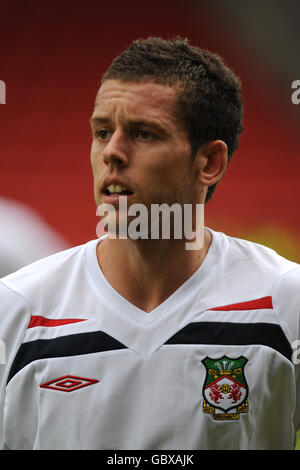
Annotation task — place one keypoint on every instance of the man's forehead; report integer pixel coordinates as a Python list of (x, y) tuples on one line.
[(146, 91), (138, 102)]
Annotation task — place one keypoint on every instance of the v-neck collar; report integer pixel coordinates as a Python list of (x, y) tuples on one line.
[(167, 318)]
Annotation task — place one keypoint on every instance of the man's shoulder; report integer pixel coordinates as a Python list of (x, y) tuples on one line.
[(286, 272), (254, 271), (259, 256), (248, 269), (46, 272)]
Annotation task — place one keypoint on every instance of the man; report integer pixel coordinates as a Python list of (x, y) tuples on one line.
[(139, 343)]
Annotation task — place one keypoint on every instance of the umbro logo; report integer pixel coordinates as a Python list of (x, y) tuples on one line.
[(68, 383)]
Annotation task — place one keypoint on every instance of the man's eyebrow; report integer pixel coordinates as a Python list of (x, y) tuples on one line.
[(98, 120), (146, 123)]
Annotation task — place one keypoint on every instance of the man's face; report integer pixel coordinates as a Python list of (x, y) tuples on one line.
[(140, 145)]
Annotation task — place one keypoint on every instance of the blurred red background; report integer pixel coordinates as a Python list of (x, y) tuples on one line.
[(52, 56)]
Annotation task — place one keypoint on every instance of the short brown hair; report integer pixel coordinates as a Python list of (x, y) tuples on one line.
[(209, 100)]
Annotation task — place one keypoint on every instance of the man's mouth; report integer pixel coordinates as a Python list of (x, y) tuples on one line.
[(116, 190)]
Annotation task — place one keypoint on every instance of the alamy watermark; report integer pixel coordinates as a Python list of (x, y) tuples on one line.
[(296, 94), (296, 352), (2, 92), (2, 352), (160, 222)]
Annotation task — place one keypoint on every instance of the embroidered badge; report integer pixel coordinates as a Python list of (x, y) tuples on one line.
[(225, 389)]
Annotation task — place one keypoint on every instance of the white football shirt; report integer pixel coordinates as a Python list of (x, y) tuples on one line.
[(212, 367)]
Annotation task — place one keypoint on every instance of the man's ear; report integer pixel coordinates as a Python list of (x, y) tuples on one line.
[(212, 159)]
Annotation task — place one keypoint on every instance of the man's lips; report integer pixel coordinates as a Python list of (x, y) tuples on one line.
[(115, 198), (113, 189)]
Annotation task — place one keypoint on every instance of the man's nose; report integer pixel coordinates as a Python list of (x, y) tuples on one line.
[(116, 149)]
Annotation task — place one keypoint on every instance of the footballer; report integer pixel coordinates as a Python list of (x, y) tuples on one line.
[(138, 343)]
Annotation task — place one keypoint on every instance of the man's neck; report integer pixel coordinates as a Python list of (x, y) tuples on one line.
[(147, 272)]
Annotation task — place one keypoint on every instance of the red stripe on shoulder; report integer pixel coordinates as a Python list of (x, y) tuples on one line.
[(264, 302), (43, 321)]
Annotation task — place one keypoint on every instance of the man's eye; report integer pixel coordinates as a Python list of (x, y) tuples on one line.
[(144, 135), (102, 134)]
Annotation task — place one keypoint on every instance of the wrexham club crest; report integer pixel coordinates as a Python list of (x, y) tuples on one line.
[(225, 389)]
